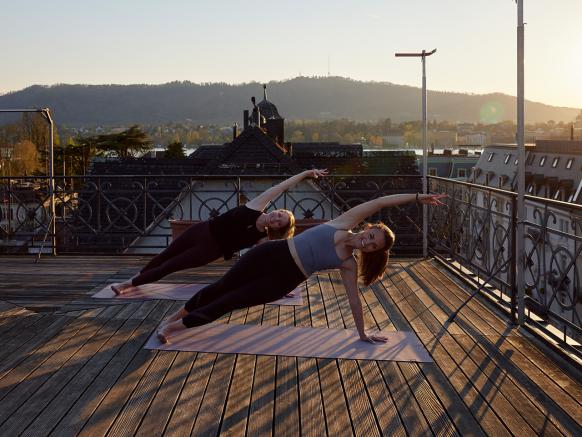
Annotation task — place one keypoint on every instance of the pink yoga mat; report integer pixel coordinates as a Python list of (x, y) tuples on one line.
[(163, 291), (294, 342)]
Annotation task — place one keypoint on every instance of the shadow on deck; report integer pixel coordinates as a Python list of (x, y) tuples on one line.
[(71, 365)]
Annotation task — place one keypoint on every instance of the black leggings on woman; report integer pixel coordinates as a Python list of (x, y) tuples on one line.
[(264, 274), (195, 247)]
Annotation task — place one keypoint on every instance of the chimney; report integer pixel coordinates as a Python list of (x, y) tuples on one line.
[(234, 131), (572, 132), (245, 119)]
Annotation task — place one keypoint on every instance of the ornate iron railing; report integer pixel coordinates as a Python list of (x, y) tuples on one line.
[(111, 213), (476, 233)]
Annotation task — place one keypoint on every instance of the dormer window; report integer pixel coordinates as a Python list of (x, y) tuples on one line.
[(542, 161), (507, 158), (555, 162), (432, 171), (530, 189), (557, 195), (530, 159), (569, 163), (516, 161), (461, 173), (490, 157)]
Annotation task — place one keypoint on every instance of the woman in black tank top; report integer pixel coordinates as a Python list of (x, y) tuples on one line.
[(236, 229), (271, 270)]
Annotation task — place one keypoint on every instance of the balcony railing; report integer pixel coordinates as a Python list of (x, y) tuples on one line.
[(111, 214), (476, 234)]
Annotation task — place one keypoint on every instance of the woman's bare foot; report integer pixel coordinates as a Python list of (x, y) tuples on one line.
[(168, 330), (121, 287), (162, 334)]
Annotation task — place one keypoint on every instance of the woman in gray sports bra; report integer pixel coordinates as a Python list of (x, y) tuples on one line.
[(271, 270)]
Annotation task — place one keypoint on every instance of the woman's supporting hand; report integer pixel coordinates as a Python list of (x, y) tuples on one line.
[(431, 199), (373, 338)]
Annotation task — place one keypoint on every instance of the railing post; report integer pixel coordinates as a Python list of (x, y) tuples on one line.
[(513, 264)]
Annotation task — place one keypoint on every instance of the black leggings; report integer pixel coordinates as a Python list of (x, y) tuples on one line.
[(195, 247), (264, 274)]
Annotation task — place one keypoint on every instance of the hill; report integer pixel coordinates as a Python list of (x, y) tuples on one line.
[(299, 98)]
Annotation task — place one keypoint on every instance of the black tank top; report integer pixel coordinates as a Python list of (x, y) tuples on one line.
[(236, 229)]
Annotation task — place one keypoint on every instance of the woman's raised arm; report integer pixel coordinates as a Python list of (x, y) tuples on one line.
[(262, 200), (357, 214)]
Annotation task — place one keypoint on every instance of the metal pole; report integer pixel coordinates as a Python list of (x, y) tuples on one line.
[(520, 262), (423, 55), (53, 224), (424, 160)]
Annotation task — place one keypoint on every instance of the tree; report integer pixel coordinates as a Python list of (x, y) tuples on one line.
[(25, 158), (578, 121), (126, 144), (175, 150)]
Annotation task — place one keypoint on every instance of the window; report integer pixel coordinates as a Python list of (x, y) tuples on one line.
[(516, 161), (432, 171), (569, 163), (530, 189), (555, 162), (530, 159), (507, 158), (490, 157), (542, 161), (557, 195), (461, 173)]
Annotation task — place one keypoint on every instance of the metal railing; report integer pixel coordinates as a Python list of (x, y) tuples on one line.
[(112, 213), (476, 236)]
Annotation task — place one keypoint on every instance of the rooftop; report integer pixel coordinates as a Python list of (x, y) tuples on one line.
[(73, 365)]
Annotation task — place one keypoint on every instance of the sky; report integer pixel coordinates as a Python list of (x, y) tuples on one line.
[(155, 41)]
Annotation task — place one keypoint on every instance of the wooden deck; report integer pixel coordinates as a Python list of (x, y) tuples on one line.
[(70, 365)]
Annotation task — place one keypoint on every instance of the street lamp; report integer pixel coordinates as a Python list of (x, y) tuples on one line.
[(520, 238), (423, 56)]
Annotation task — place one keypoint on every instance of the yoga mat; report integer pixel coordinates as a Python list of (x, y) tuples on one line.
[(294, 342), (163, 291)]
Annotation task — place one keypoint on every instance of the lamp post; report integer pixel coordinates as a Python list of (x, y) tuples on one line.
[(520, 238), (423, 56)]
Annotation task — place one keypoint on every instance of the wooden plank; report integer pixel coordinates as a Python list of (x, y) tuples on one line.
[(188, 406), (59, 406), (334, 397), (78, 415), (108, 409), (514, 358), (51, 376), (236, 411), (311, 413), (132, 413), (354, 384), (210, 413), (286, 393), (262, 407), (481, 411)]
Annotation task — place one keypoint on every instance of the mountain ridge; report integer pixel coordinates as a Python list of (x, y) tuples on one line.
[(306, 98)]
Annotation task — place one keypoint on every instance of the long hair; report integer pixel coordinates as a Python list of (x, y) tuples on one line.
[(285, 232), (373, 264)]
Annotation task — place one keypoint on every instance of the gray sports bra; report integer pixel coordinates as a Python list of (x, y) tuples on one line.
[(316, 249)]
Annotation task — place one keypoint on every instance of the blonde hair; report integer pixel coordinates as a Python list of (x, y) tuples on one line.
[(285, 232), (372, 264)]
